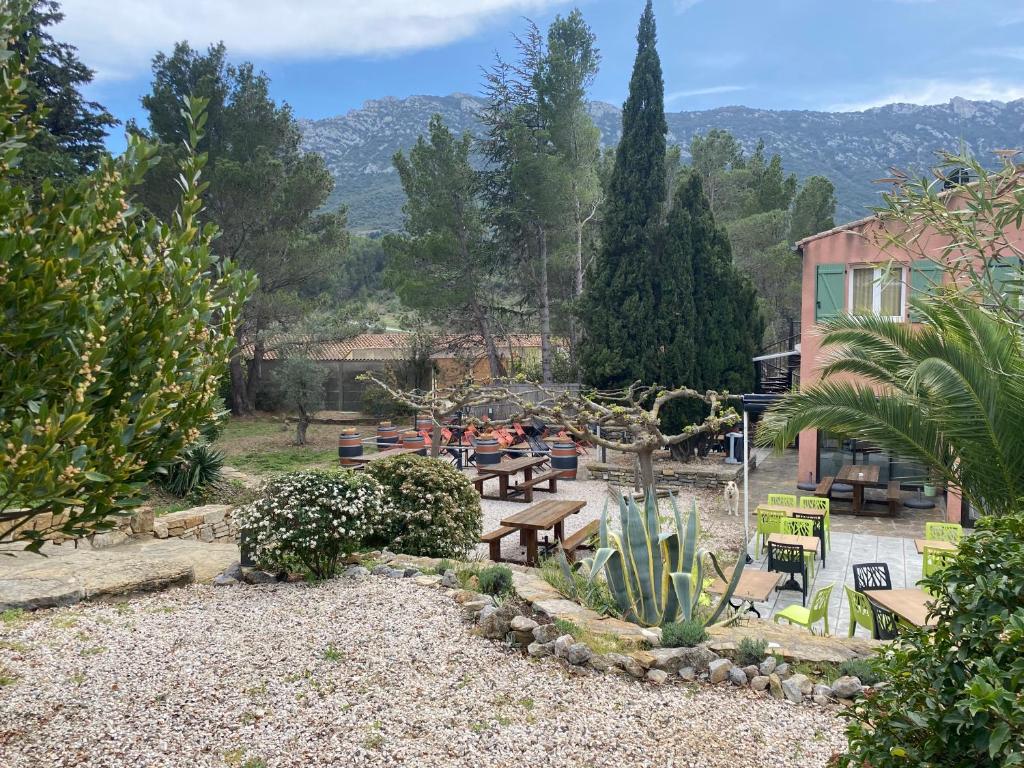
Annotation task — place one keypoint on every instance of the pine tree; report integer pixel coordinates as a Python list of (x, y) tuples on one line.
[(620, 307), (814, 208)]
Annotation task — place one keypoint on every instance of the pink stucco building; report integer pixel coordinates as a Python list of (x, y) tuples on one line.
[(845, 270)]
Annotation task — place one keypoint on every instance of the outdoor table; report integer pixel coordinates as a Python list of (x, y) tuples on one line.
[(504, 469), (819, 522), (540, 517), (753, 587), (859, 476), (805, 542), (366, 458), (945, 546), (911, 605), (459, 452)]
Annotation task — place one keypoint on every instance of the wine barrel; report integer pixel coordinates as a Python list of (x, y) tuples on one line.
[(424, 423), (349, 446), (487, 452), (387, 436), (414, 440), (563, 459)]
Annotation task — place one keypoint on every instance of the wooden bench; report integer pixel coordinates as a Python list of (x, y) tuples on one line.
[(824, 488), (892, 495), (573, 542), (480, 479), (493, 540), (528, 486)]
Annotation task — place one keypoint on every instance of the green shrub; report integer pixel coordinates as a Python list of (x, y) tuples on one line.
[(750, 650), (435, 511), (683, 634), (116, 327), (307, 522), (495, 580), (860, 668), (955, 691), (595, 594), (198, 466)]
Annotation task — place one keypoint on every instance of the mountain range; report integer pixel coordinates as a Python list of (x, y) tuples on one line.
[(851, 148)]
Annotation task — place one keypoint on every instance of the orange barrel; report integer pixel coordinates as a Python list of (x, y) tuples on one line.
[(488, 452), (563, 458), (414, 440), (349, 446), (424, 423), (387, 436)]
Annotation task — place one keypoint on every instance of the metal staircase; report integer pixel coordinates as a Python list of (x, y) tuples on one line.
[(778, 364)]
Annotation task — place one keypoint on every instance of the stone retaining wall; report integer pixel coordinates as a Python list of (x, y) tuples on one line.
[(214, 522), (124, 527), (697, 476)]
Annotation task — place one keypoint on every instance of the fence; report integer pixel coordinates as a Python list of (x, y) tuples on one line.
[(500, 410)]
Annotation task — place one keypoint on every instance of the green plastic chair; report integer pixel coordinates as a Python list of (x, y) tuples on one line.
[(860, 611), (818, 502), (796, 527), (951, 532), (781, 499), (934, 560), (808, 617), (769, 521)]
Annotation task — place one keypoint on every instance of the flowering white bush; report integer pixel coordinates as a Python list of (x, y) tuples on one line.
[(309, 521), (435, 510)]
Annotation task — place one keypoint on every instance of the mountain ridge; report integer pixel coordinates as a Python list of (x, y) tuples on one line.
[(851, 148)]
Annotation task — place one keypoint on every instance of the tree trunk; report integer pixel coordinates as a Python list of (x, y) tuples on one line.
[(239, 403), (545, 308), (435, 439), (255, 373), (300, 431), (646, 459), (493, 359)]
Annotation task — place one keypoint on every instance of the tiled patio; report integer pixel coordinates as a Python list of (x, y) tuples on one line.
[(848, 549), (869, 539)]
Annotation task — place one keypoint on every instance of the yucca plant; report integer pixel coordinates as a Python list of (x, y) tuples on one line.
[(195, 467), (655, 577)]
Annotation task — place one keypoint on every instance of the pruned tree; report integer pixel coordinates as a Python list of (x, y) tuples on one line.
[(634, 411), (441, 403)]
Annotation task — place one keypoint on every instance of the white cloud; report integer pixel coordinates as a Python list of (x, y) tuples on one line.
[(709, 91), (119, 37), (937, 92)]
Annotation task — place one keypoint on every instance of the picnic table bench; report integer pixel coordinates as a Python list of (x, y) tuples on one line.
[(540, 517)]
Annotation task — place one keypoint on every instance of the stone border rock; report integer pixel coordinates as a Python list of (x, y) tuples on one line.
[(212, 522), (529, 625)]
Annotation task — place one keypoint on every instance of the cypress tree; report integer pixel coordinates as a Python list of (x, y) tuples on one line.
[(728, 323), (620, 306)]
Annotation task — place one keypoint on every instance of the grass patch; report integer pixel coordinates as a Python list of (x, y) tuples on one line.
[(13, 617), (64, 622), (7, 677), (594, 595), (285, 460), (598, 642), (818, 670), (333, 654)]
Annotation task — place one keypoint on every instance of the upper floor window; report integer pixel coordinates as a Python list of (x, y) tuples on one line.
[(877, 291)]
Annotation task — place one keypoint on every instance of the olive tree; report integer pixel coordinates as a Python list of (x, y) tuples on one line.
[(116, 330)]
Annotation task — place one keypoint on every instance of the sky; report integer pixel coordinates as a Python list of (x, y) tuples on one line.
[(326, 57)]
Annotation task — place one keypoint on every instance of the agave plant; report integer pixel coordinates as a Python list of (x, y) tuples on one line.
[(655, 577)]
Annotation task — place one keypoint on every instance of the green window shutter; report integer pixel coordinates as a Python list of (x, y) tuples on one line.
[(828, 292), (1006, 276), (925, 277)]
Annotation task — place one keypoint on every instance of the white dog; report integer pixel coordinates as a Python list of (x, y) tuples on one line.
[(732, 498)]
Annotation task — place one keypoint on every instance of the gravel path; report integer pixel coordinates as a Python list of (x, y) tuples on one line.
[(719, 531), (380, 672)]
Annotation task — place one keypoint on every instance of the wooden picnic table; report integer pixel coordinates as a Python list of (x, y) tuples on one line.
[(859, 476), (541, 517), (945, 546), (911, 605), (754, 586), (504, 469), (366, 458)]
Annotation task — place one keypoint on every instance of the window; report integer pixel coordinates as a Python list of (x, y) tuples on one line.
[(877, 291)]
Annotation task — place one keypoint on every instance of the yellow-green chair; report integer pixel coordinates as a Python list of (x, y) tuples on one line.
[(818, 502), (934, 560), (860, 611), (796, 527), (769, 521), (951, 532), (808, 617), (781, 500)]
